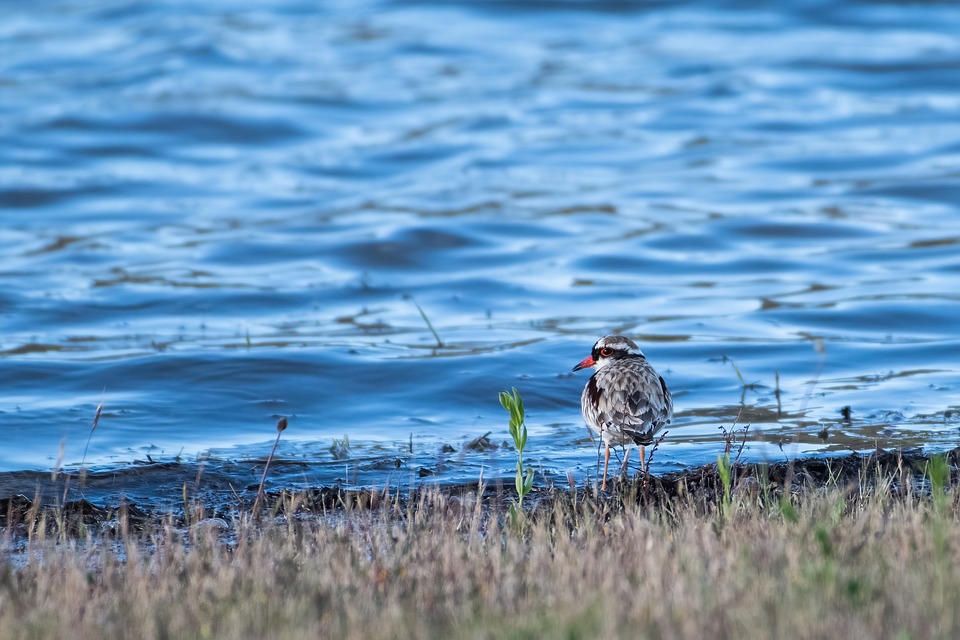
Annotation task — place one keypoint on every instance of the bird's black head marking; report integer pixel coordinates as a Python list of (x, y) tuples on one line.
[(614, 348)]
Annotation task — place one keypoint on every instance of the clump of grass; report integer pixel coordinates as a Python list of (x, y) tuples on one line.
[(480, 443), (938, 474), (725, 471), (730, 437), (513, 403), (340, 448), (849, 564), (726, 466)]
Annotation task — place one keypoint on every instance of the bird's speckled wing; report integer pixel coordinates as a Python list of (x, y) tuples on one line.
[(627, 402)]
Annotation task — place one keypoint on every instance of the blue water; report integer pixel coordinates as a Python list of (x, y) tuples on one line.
[(215, 214)]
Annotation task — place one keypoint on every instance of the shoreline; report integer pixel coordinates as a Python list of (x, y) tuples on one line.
[(701, 485)]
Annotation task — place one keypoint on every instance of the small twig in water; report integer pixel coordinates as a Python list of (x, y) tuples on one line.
[(776, 392), (743, 382), (423, 315), (820, 346), (744, 385)]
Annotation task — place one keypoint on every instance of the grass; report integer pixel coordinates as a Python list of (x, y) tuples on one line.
[(872, 558), (523, 481)]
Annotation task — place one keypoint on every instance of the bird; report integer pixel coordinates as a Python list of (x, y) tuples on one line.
[(625, 401)]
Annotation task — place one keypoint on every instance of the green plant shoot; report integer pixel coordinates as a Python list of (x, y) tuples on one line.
[(725, 469), (938, 472), (512, 402)]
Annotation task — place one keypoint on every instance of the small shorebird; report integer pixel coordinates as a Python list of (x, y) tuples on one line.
[(625, 401)]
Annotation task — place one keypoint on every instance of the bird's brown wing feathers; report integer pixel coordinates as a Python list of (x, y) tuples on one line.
[(630, 399)]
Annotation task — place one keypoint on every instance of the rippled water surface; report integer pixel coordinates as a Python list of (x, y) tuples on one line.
[(215, 214)]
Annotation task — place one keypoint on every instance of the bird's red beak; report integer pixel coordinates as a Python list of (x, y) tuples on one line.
[(586, 362)]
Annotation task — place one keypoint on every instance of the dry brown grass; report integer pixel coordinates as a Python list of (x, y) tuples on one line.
[(851, 562)]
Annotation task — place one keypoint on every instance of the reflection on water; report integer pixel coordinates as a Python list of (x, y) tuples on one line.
[(218, 214)]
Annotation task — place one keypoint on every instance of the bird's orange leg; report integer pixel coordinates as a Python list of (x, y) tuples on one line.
[(643, 461), (606, 464)]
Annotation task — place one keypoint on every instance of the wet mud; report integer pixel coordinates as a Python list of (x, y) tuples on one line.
[(76, 512)]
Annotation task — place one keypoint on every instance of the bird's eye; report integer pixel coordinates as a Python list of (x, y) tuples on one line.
[(606, 352)]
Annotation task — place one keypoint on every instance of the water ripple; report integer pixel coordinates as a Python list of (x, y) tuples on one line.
[(217, 214)]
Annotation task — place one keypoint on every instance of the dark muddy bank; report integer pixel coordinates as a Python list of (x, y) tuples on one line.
[(65, 507)]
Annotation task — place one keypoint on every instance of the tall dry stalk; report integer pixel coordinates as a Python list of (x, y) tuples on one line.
[(96, 421), (281, 425)]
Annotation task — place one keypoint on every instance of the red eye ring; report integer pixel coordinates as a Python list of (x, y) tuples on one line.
[(606, 352)]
